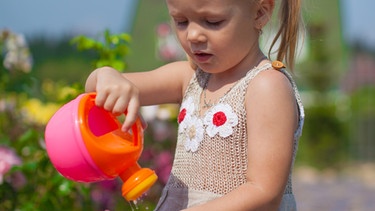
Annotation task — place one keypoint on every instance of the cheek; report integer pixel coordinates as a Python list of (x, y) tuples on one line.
[(245, 38), (234, 47), (231, 42), (181, 38)]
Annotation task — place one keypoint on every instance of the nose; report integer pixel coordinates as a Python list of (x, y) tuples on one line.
[(195, 33)]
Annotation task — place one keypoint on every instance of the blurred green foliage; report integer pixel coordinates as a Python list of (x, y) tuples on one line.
[(324, 142), (362, 124), (111, 51), (325, 138)]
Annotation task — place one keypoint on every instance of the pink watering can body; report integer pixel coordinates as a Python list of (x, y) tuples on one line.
[(85, 144)]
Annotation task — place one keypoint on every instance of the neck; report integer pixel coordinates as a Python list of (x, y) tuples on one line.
[(235, 73)]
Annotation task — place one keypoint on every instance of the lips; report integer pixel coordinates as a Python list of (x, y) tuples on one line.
[(202, 57)]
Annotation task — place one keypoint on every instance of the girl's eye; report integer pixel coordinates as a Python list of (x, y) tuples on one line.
[(181, 23), (214, 23)]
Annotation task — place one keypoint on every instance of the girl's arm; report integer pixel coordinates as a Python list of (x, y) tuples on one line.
[(271, 121), (117, 92)]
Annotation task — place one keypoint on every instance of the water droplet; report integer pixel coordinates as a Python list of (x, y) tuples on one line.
[(133, 205)]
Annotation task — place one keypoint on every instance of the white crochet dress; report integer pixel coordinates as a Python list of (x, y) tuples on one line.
[(211, 152)]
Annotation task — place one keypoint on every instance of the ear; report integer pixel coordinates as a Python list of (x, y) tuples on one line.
[(264, 13)]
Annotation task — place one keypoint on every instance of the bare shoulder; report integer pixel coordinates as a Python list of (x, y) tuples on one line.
[(270, 83), (270, 97)]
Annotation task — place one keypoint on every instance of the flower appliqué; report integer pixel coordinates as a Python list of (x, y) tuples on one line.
[(190, 126), (186, 111), (220, 120), (194, 134)]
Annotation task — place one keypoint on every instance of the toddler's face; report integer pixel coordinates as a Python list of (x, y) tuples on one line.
[(217, 34)]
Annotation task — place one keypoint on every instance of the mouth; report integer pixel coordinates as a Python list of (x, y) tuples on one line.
[(202, 57)]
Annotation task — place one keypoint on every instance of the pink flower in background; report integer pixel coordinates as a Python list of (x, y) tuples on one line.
[(17, 179), (103, 193), (147, 155), (168, 48), (164, 165), (8, 158)]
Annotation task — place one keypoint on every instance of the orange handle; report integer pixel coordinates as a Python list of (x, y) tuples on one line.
[(111, 149)]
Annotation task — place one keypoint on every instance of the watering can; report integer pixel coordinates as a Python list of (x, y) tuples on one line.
[(85, 144)]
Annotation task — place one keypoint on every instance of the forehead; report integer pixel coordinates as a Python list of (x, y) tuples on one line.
[(210, 1), (202, 6)]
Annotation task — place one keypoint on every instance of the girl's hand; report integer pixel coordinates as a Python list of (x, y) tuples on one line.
[(114, 93)]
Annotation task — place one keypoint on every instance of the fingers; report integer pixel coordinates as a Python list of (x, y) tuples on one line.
[(100, 99), (132, 115), (118, 106), (116, 94), (143, 121)]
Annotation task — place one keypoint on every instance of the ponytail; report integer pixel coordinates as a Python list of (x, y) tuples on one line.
[(290, 22)]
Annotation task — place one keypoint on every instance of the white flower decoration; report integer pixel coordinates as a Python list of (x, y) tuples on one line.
[(185, 114), (220, 119), (194, 134)]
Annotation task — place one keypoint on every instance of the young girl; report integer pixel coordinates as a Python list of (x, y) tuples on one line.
[(240, 116)]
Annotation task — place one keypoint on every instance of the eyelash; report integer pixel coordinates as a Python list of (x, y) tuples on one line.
[(209, 23), (181, 23), (214, 23)]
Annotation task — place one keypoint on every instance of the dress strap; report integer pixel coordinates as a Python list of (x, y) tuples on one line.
[(254, 72), (301, 110)]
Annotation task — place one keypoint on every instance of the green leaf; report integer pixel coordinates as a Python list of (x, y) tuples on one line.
[(65, 187), (111, 52), (29, 135)]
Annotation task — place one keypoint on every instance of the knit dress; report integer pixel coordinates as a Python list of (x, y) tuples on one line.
[(211, 152)]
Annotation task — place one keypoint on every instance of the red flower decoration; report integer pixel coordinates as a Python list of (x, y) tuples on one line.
[(181, 115), (219, 118)]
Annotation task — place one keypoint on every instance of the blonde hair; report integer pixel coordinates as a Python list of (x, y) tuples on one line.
[(290, 28)]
